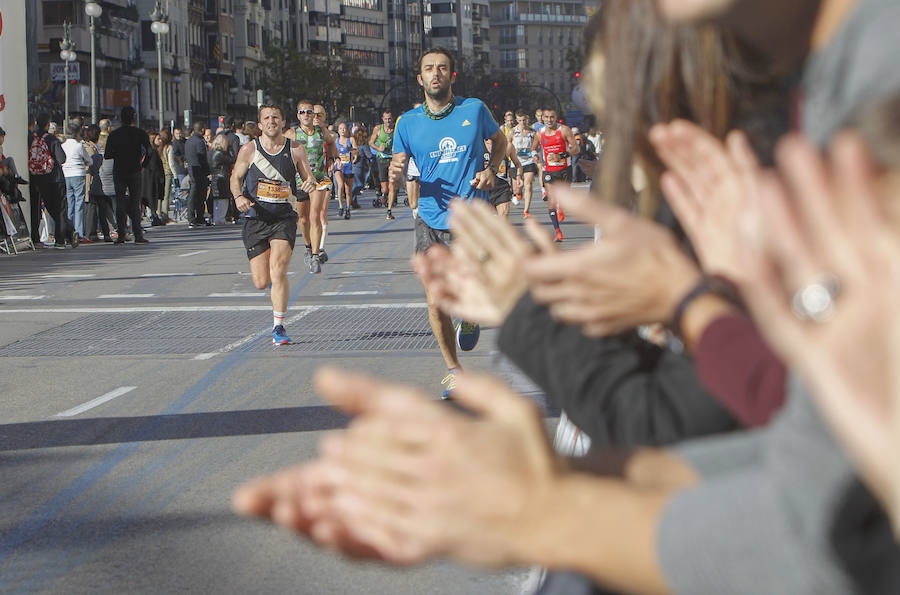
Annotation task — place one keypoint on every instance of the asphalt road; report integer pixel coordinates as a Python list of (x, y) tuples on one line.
[(139, 387)]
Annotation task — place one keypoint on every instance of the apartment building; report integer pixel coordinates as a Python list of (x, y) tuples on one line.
[(532, 39)]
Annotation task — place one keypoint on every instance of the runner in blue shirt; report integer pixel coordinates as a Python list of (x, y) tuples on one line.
[(446, 138)]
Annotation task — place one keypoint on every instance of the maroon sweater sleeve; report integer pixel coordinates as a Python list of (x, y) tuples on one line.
[(737, 366)]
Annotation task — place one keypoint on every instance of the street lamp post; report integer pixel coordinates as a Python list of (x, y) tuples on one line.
[(67, 54), (176, 80), (208, 85), (93, 10), (159, 26)]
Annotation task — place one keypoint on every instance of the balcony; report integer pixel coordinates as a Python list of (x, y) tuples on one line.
[(324, 6), (326, 34), (572, 19)]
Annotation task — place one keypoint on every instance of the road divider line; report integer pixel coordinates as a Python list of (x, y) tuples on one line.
[(21, 297), (238, 294), (368, 272), (333, 293), (257, 334), (112, 296), (98, 401), (66, 276), (192, 253), (237, 308)]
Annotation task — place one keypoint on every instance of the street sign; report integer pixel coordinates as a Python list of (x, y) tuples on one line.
[(58, 72)]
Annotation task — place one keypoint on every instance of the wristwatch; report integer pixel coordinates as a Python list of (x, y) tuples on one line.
[(493, 168)]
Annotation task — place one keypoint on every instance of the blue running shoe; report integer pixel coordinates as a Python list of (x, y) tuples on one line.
[(467, 334), (279, 336), (449, 383)]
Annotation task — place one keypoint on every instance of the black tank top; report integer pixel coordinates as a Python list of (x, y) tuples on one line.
[(267, 193)]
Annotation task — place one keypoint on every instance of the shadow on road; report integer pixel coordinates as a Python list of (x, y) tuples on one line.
[(112, 430)]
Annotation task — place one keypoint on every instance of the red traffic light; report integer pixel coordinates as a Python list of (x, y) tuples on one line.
[(578, 75), (496, 84)]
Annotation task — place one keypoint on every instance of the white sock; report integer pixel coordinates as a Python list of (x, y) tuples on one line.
[(277, 318), (324, 233)]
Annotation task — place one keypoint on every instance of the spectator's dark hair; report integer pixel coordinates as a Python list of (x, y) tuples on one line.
[(308, 102), (43, 120), (127, 115), (237, 123), (437, 50), (92, 133), (521, 112), (198, 126), (74, 129), (228, 122)]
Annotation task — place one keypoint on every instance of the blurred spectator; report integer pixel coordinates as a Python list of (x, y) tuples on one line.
[(74, 170), (101, 187), (129, 146), (220, 162), (165, 150), (198, 165), (45, 159), (153, 182)]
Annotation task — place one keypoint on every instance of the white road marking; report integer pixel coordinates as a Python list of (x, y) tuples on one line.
[(246, 273), (368, 272), (98, 401), (112, 296), (240, 308), (248, 338), (192, 253), (168, 274), (332, 293), (21, 297), (63, 276), (238, 294)]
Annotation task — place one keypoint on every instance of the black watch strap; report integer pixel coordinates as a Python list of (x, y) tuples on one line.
[(713, 284)]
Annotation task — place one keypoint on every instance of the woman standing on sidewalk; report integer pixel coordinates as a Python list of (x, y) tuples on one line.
[(165, 148)]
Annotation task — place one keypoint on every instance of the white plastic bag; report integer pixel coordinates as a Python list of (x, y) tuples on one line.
[(44, 227)]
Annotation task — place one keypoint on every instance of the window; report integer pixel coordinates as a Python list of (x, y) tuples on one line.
[(364, 57), (367, 4), (361, 29), (507, 35), (443, 32), (251, 34), (508, 58), (442, 8), (56, 13), (523, 58)]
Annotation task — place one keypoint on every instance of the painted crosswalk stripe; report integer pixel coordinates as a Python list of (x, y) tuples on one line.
[(192, 253), (21, 297), (68, 276), (332, 293), (168, 274), (112, 296), (98, 401), (235, 295)]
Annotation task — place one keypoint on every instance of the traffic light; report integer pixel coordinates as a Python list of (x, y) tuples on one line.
[(578, 75), (496, 84)]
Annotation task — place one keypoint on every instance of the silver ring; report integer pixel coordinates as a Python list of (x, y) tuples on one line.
[(815, 301)]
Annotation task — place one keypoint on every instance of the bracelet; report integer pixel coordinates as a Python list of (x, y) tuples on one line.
[(712, 284)]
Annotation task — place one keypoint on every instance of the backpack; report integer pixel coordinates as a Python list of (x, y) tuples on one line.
[(39, 160)]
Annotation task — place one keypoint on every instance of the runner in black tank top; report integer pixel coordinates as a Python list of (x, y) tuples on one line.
[(265, 190)]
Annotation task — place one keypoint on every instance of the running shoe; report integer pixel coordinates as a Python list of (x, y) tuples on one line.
[(560, 215), (340, 211), (347, 213), (515, 200), (307, 256), (315, 266), (449, 384), (544, 195), (467, 334), (75, 240), (323, 256), (389, 217), (558, 237), (279, 336), (526, 215)]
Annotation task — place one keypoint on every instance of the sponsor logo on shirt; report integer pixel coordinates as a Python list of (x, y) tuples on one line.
[(466, 123), (448, 150)]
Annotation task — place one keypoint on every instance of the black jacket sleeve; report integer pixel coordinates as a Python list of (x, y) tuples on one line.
[(621, 390), (59, 154)]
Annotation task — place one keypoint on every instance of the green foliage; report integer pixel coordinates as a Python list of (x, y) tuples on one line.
[(289, 76)]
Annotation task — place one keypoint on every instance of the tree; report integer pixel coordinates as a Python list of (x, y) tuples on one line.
[(289, 76)]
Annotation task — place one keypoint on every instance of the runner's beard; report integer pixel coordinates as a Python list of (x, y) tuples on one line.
[(441, 94)]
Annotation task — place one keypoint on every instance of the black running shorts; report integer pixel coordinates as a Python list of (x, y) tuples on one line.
[(531, 168), (562, 175), (383, 167), (427, 236), (257, 234), (501, 192)]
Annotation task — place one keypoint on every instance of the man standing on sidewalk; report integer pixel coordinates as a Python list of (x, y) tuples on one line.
[(128, 146), (195, 154), (446, 138)]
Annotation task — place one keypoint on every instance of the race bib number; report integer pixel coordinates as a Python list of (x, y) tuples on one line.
[(555, 159), (345, 157), (523, 153), (323, 184), (272, 190)]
